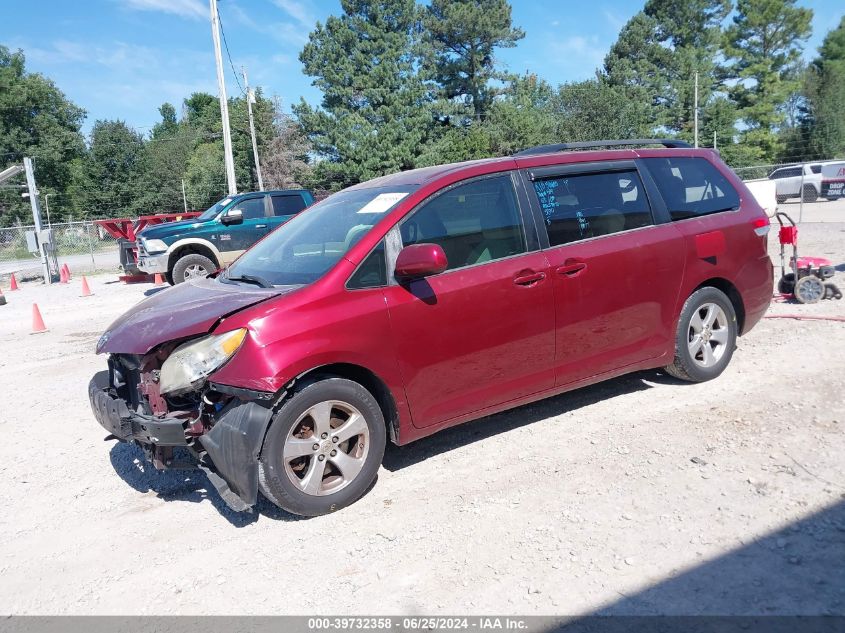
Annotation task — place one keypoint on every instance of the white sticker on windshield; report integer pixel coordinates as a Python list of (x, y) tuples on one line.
[(382, 202)]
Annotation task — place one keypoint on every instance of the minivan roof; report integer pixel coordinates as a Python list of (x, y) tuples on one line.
[(424, 175)]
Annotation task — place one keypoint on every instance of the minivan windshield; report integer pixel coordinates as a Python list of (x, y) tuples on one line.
[(211, 212), (305, 248)]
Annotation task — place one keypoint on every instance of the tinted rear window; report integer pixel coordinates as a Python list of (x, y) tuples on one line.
[(286, 206), (692, 186)]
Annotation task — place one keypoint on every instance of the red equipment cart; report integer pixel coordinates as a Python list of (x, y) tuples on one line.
[(806, 283)]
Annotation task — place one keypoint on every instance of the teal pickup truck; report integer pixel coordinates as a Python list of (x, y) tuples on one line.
[(201, 245)]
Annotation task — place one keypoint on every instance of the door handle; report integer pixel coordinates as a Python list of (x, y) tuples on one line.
[(261, 226), (571, 269), (528, 278)]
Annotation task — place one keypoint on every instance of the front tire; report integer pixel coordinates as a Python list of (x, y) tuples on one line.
[(323, 449), (192, 266), (706, 336)]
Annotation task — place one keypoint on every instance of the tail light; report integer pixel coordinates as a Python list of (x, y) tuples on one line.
[(761, 226)]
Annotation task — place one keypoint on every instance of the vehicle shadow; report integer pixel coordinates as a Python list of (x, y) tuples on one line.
[(798, 570), (192, 486), (151, 291), (399, 457)]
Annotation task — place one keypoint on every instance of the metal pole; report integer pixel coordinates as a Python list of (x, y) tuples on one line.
[(91, 247), (36, 216), (801, 199), (695, 114), (184, 198), (250, 97), (47, 206), (224, 103), (714, 139)]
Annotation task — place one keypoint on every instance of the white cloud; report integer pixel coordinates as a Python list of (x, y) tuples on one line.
[(194, 9), (578, 52), (298, 11), (613, 19)]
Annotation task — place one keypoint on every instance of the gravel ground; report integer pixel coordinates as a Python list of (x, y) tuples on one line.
[(638, 495)]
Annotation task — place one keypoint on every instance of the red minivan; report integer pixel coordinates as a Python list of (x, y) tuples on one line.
[(427, 298)]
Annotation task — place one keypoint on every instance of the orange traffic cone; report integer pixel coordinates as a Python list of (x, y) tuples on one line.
[(13, 283), (159, 280), (86, 291), (68, 276), (37, 322), (62, 275)]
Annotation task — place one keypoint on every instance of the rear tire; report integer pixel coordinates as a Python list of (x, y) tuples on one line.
[(192, 266), (706, 336), (810, 194), (344, 421)]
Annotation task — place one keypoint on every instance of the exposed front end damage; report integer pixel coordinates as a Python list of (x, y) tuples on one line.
[(221, 427)]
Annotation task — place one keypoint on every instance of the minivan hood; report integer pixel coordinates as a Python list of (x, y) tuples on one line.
[(189, 309)]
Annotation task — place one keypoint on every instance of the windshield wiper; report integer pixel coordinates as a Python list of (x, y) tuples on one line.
[(252, 279)]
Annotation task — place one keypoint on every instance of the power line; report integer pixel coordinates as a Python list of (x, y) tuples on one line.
[(231, 63)]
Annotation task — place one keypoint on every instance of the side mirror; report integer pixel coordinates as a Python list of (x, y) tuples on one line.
[(420, 260), (233, 216)]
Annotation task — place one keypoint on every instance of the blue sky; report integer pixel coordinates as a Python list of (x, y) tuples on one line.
[(123, 58)]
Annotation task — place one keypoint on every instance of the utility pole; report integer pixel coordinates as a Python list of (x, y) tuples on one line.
[(250, 99), (36, 216), (184, 197), (224, 103), (695, 115)]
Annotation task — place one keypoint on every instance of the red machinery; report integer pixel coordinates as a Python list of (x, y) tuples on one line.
[(124, 230)]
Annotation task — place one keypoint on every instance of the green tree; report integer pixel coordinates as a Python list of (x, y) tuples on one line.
[(460, 38), (163, 164), (206, 176), (821, 131), (763, 49), (658, 53), (36, 120), (374, 117), (108, 179)]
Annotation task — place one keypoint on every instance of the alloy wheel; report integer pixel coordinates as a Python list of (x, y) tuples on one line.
[(195, 270), (708, 334), (326, 448)]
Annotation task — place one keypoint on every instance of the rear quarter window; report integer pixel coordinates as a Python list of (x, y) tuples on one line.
[(692, 187)]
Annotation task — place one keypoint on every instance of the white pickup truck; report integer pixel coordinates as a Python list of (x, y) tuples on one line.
[(791, 180), (824, 179)]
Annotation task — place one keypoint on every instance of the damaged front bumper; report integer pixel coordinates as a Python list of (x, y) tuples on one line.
[(228, 451)]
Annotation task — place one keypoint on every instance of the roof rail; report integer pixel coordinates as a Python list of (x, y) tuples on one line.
[(559, 147)]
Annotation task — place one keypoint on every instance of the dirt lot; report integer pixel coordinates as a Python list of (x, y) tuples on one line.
[(640, 495)]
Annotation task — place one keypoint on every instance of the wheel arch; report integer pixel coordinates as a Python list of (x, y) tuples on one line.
[(187, 246), (367, 379), (726, 286)]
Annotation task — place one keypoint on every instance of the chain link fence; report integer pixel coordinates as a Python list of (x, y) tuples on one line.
[(84, 246)]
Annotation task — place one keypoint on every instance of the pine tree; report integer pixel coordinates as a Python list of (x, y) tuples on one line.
[(763, 48), (658, 53), (374, 117), (461, 37)]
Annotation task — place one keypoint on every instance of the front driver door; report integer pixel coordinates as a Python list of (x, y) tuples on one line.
[(482, 332), (234, 239)]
